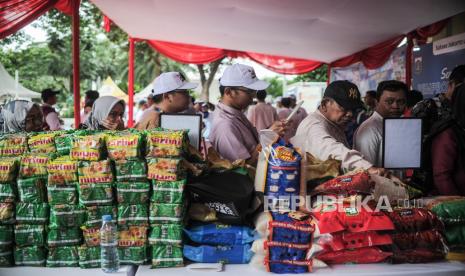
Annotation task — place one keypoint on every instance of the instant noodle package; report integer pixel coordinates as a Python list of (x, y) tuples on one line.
[(451, 211)]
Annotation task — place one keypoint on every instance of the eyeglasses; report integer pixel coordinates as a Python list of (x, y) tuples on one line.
[(246, 90)]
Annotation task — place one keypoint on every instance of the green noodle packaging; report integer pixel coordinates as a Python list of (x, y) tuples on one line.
[(166, 255), (63, 143), (64, 237), (30, 256), (95, 194), (133, 193), (62, 216), (6, 257), (32, 213), (32, 190), (132, 255), (165, 234), (29, 235), (6, 236), (165, 213), (7, 193), (136, 215), (89, 257), (168, 191), (63, 256), (130, 170), (66, 194), (95, 213)]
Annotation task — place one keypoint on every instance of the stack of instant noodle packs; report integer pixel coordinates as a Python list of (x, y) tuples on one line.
[(56, 186)]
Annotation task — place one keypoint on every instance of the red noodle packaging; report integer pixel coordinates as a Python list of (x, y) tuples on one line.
[(418, 237), (351, 235)]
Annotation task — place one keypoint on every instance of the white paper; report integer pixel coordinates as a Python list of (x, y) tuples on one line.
[(184, 121), (402, 143)]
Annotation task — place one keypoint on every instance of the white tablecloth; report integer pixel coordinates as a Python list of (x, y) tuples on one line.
[(62, 271), (432, 269)]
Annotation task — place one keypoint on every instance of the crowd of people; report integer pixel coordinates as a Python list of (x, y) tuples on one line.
[(343, 127)]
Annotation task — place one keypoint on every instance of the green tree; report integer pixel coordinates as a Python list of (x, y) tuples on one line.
[(102, 54), (276, 86)]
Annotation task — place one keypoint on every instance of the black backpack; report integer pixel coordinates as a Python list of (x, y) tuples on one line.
[(230, 194)]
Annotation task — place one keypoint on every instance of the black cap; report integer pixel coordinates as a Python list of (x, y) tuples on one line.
[(47, 93), (345, 93)]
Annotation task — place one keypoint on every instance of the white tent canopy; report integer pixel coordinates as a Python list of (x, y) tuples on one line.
[(321, 30), (9, 89)]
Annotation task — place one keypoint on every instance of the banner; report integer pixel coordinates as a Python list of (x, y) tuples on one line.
[(434, 62), (368, 79)]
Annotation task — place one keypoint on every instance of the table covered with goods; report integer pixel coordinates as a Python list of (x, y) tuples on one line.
[(177, 211)]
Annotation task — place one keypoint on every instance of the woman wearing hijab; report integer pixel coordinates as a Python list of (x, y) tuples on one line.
[(22, 115), (448, 149), (107, 114)]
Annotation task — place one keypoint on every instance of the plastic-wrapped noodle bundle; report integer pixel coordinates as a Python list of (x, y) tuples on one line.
[(166, 256), (33, 165), (131, 170), (13, 144), (165, 234), (32, 190), (62, 171), (62, 216), (30, 256), (133, 193), (168, 191), (89, 257), (123, 145), (30, 213), (132, 255), (7, 193), (166, 143), (87, 146), (63, 256), (29, 235), (42, 143), (8, 169), (64, 237)]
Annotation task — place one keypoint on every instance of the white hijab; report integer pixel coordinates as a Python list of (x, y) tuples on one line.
[(14, 115), (100, 111)]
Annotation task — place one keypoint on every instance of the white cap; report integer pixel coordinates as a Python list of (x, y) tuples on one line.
[(171, 81), (242, 75)]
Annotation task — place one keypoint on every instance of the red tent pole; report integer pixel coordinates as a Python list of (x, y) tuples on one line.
[(131, 82), (76, 78)]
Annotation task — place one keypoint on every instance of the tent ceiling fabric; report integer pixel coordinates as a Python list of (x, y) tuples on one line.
[(323, 30)]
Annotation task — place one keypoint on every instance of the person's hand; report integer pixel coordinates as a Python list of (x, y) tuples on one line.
[(107, 124), (379, 171), (280, 127)]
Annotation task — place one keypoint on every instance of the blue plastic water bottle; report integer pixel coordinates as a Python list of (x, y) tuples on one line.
[(109, 245)]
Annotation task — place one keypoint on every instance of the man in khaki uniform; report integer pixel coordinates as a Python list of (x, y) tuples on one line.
[(170, 94), (322, 132)]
